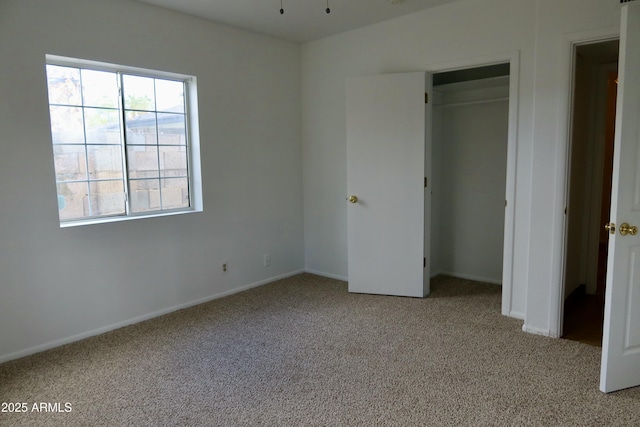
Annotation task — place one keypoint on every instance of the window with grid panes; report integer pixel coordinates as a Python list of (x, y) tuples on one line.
[(120, 142)]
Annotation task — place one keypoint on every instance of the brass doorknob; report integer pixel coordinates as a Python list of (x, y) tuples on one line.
[(611, 227), (628, 229), (352, 199)]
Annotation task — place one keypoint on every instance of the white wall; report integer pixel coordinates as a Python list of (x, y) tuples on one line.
[(540, 32), (434, 39), (558, 25), (59, 284), (470, 145)]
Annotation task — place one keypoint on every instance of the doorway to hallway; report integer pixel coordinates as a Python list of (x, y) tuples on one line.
[(589, 188)]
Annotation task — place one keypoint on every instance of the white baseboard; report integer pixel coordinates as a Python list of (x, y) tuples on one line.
[(328, 275), (538, 331), (138, 319), (516, 315), (472, 277), (433, 274)]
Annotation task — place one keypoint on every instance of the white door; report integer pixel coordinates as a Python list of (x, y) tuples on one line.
[(621, 340), (386, 152)]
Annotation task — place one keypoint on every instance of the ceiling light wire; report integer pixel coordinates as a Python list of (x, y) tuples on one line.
[(328, 9)]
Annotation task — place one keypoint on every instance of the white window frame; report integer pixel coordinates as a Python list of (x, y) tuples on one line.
[(192, 134)]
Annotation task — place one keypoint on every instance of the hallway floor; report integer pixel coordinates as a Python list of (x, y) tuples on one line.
[(583, 319)]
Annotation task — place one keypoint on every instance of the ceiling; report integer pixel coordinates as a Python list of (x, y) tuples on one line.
[(303, 20)]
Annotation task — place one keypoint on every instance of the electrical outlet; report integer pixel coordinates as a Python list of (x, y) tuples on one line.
[(267, 260), (225, 267)]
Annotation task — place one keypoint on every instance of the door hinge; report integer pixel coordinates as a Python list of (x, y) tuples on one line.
[(426, 98), (425, 182), (424, 263)]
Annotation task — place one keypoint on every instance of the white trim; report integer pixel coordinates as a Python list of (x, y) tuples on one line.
[(120, 218), (138, 319), (513, 58), (510, 190), (472, 277), (537, 331), (327, 275), (192, 144), (517, 315), (106, 66), (474, 62)]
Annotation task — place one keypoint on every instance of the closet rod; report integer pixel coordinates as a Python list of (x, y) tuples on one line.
[(481, 101)]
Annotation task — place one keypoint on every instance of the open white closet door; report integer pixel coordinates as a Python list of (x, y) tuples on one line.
[(387, 199)]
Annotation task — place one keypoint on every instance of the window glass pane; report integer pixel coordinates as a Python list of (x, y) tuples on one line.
[(144, 195), (143, 161), (72, 200), (169, 96), (139, 93), (141, 128), (175, 193), (173, 161), (107, 198), (171, 129), (105, 161), (102, 126), (99, 89), (66, 125), (97, 161), (70, 162), (64, 85)]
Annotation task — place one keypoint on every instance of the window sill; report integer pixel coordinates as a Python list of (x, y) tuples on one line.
[(108, 219)]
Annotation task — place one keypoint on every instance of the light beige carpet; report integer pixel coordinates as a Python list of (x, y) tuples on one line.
[(304, 352)]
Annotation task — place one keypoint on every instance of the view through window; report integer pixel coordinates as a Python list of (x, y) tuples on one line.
[(120, 142)]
